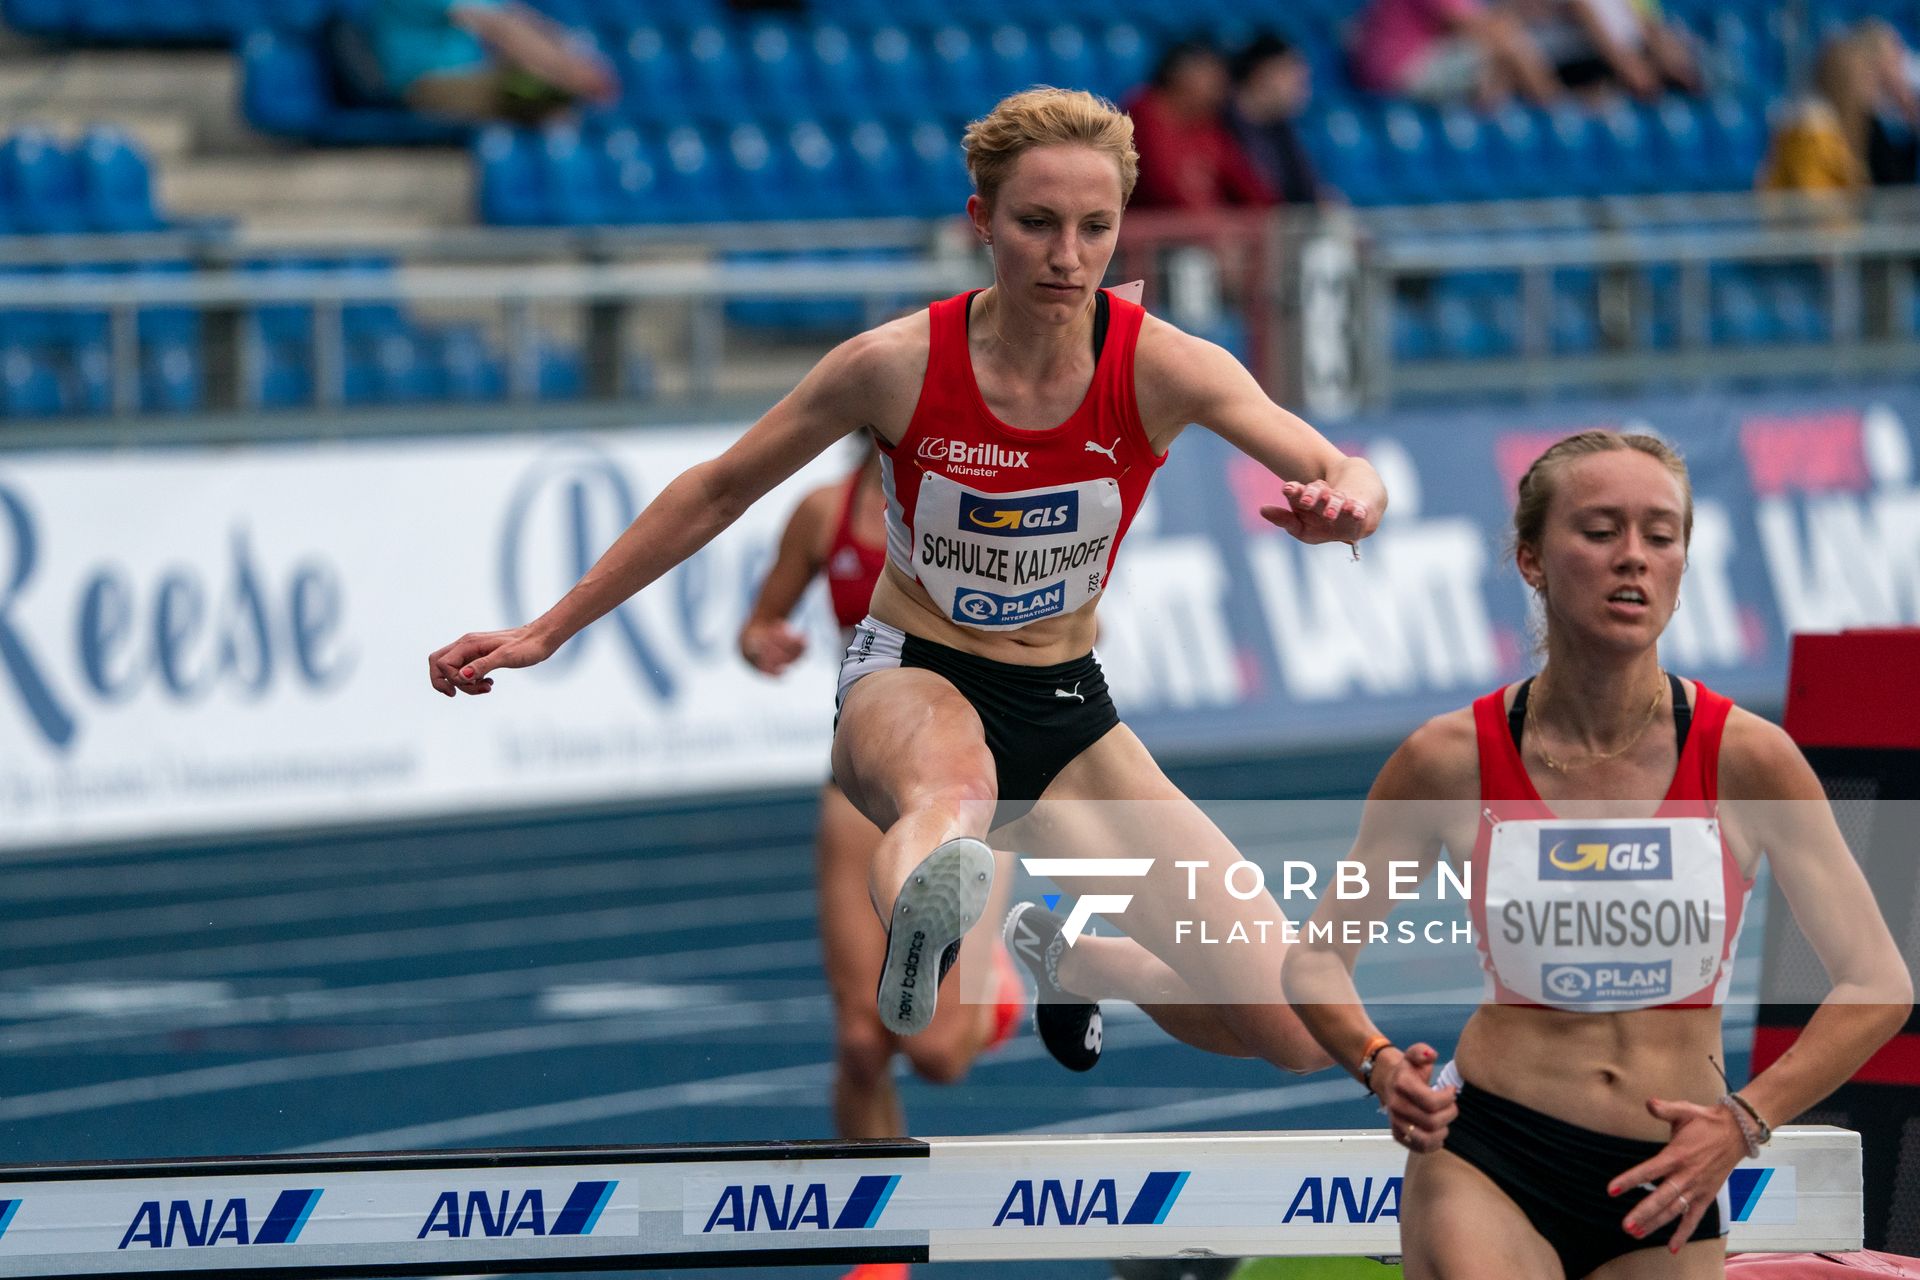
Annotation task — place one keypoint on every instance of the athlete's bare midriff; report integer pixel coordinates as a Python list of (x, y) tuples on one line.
[(1596, 1070), (903, 603)]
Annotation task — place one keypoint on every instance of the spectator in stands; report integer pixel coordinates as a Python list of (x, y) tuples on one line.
[(1604, 44), (1272, 83), (1188, 158), (1820, 144), (1893, 130), (1443, 51), (482, 60)]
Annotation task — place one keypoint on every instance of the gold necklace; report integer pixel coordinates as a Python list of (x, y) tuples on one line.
[(1533, 704)]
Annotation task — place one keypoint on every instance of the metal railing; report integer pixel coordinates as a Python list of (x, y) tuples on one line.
[(1307, 296)]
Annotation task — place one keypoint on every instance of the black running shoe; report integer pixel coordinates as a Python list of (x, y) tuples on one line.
[(1069, 1025), (940, 901)]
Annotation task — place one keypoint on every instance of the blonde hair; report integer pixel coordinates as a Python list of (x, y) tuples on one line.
[(1538, 486), (1043, 117)]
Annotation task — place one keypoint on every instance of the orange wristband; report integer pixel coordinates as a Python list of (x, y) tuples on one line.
[(1373, 1046)]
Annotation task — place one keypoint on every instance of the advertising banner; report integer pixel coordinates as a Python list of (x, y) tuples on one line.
[(210, 639)]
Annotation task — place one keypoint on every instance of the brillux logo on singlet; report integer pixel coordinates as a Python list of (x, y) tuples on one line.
[(997, 560)]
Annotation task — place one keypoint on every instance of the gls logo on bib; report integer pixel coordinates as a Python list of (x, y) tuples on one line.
[(1027, 517)]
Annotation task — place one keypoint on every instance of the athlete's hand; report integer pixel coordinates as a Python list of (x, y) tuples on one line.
[(1418, 1112), (771, 645), (1687, 1174), (463, 666), (1318, 512)]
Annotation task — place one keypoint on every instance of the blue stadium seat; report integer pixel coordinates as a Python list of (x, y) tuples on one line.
[(562, 372), (1679, 144), (469, 371), (1460, 156), (940, 186), (777, 68), (1623, 139), (1411, 177), (39, 17), (841, 84), (570, 178), (29, 387), (86, 375), (116, 184), (630, 182), (653, 82), (164, 326), (1515, 143), (171, 379), (898, 74), (818, 173), (1572, 153), (1012, 64), (509, 185), (1576, 312), (1736, 141), (282, 85), (1739, 314), (42, 179), (690, 178), (880, 165), (1067, 58), (757, 188), (1126, 59), (1414, 337), (957, 79), (1794, 295), (1349, 153), (717, 86)]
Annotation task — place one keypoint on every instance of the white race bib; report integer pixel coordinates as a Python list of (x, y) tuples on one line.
[(1606, 915), (999, 560)]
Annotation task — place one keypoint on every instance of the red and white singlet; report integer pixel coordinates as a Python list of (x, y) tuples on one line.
[(1002, 526), (852, 566), (1612, 914)]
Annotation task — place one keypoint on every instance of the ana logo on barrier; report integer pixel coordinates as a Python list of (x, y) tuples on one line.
[(1620, 853), (463, 1215), (199, 1224), (7, 1209), (1044, 1202), (760, 1207), (1331, 1200)]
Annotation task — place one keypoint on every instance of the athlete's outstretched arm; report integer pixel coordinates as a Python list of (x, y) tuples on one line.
[(1406, 814), (1183, 379), (767, 640), (833, 400)]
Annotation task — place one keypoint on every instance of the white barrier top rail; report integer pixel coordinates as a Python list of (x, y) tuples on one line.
[(1331, 1192)]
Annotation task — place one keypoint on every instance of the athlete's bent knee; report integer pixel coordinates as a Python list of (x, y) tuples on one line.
[(864, 1049), (939, 1063), (971, 800)]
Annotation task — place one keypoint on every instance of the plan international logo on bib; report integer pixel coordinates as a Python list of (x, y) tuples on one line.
[(989, 606), (1607, 853), (1027, 517)]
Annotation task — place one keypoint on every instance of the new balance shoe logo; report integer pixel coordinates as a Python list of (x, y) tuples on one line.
[(1073, 693), (1109, 449)]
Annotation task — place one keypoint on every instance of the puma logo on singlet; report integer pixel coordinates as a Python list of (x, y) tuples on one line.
[(1110, 450), (1071, 693)]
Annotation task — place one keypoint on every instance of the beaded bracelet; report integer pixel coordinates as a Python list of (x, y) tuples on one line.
[(1748, 1135), (1766, 1130)]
